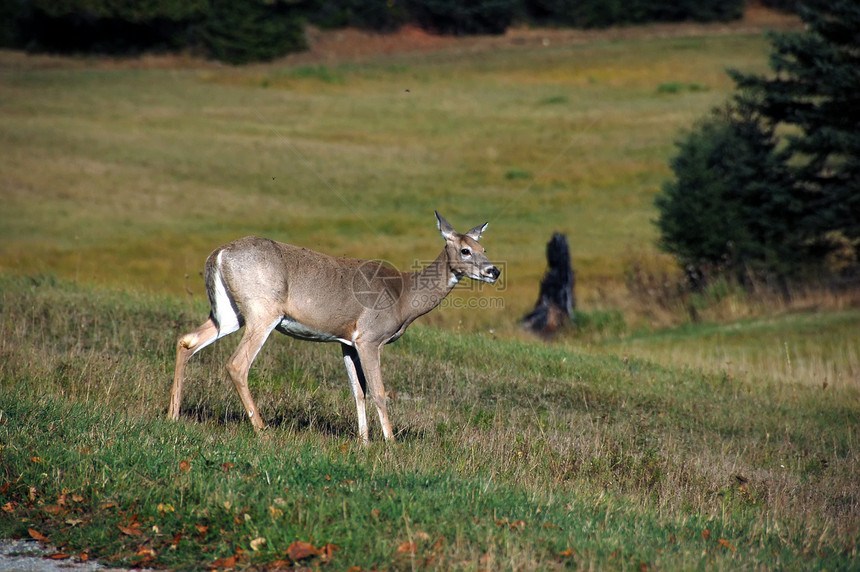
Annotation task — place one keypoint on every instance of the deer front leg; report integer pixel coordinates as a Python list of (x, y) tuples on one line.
[(358, 383), (368, 355), (239, 365), (187, 346)]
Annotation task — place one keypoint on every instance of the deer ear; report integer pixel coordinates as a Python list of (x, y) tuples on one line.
[(444, 227), (475, 233)]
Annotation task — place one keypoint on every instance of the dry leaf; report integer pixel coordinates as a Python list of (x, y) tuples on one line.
[(53, 509), (58, 556), (567, 552), (299, 550), (201, 528), (164, 508), (354, 569), (36, 535), (9, 507), (421, 535), (407, 547), (74, 521), (37, 459), (518, 524), (375, 512), (185, 466), (77, 498), (726, 544), (146, 552), (706, 534), (328, 551), (83, 557), (223, 563), (131, 531), (257, 543)]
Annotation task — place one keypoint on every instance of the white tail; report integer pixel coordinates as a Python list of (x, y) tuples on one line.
[(363, 304)]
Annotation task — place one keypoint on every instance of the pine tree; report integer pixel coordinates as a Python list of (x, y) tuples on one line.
[(814, 98)]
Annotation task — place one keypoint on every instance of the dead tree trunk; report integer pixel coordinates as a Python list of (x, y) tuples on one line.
[(554, 308)]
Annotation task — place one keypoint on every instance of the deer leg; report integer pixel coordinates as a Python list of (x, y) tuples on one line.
[(188, 345), (368, 356), (240, 363), (358, 383)]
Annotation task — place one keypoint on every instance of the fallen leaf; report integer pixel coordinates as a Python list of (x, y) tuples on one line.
[(201, 528), (706, 534), (61, 500), (375, 512), (567, 552), (36, 535), (53, 509), (518, 524), (299, 550), (227, 466), (106, 505), (726, 544), (164, 508), (185, 466), (83, 557), (130, 530), (257, 543), (32, 494), (74, 521), (407, 547), (328, 551), (223, 563), (9, 507), (77, 498), (275, 511), (37, 459), (354, 569), (421, 535), (58, 556)]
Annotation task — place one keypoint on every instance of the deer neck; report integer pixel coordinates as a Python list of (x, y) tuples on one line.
[(428, 287)]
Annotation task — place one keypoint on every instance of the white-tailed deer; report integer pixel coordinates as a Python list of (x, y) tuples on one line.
[(363, 304)]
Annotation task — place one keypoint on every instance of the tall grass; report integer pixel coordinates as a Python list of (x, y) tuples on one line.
[(514, 454)]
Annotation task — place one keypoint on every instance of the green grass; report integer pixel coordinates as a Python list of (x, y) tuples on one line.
[(129, 177), (509, 454)]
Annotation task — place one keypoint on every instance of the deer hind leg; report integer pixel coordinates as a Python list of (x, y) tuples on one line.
[(240, 363), (369, 360), (188, 345), (358, 383)]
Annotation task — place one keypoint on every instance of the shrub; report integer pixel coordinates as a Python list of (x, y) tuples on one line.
[(465, 16), (603, 13), (731, 204), (378, 15), (252, 30)]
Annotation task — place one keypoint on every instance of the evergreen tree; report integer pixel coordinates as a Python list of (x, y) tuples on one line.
[(731, 206), (815, 93)]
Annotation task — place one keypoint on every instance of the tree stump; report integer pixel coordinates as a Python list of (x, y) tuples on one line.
[(554, 308)]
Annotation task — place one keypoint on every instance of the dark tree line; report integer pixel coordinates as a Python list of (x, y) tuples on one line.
[(768, 186), (249, 30)]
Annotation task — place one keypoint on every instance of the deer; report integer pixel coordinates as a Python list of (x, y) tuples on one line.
[(266, 285)]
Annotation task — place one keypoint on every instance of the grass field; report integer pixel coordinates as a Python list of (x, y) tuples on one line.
[(728, 444), (125, 176)]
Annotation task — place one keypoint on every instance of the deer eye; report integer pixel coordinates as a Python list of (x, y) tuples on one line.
[(465, 251)]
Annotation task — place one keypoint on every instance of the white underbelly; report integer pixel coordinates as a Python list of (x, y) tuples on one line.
[(298, 330)]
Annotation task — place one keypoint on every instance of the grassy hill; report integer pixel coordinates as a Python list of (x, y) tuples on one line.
[(509, 454)]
